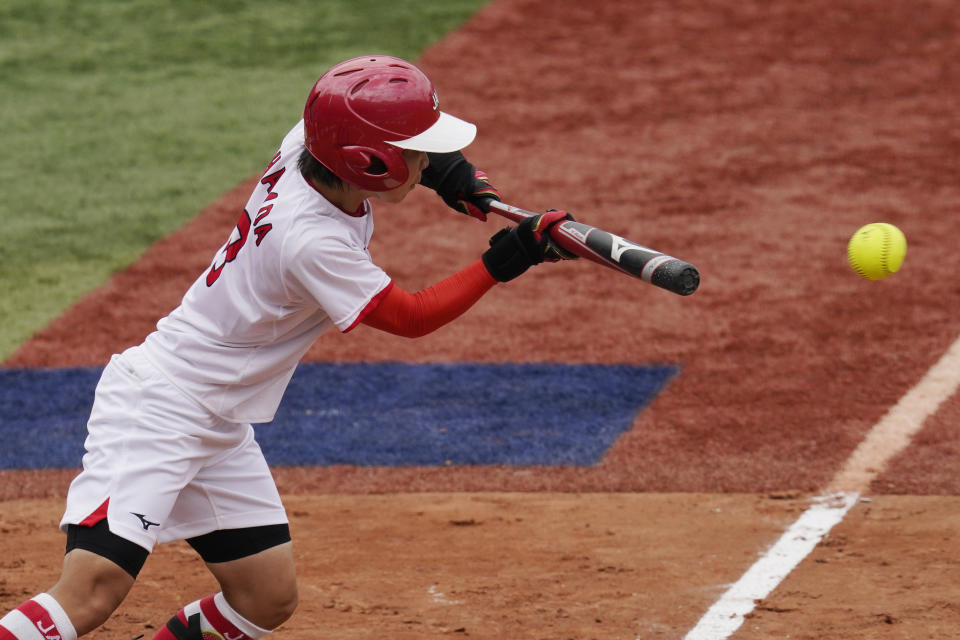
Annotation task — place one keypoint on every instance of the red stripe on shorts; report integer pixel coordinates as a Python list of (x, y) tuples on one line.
[(5, 634), (97, 516)]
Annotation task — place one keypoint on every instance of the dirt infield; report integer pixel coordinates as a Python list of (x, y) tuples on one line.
[(749, 139)]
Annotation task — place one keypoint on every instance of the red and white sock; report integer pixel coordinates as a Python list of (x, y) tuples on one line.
[(209, 619), (41, 618)]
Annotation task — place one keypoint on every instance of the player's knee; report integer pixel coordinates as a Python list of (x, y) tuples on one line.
[(90, 589), (283, 604), (267, 602), (101, 605), (267, 609), (105, 592), (261, 587)]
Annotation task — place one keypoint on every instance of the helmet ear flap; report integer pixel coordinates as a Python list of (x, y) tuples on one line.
[(360, 160), (357, 158)]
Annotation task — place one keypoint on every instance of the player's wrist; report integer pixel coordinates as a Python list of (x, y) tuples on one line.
[(510, 255)]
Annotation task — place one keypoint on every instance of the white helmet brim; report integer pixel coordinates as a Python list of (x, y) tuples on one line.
[(447, 134)]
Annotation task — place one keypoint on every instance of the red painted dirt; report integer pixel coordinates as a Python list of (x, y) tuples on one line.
[(749, 138)]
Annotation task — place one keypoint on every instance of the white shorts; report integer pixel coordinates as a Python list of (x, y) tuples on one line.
[(162, 466)]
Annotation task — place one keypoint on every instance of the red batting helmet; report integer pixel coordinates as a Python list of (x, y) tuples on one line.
[(374, 107)]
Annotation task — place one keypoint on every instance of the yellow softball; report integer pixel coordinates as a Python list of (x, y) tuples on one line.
[(877, 250)]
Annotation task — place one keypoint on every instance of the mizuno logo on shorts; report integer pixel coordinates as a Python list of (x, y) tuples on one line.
[(146, 523)]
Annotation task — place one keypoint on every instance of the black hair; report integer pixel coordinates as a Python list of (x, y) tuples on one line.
[(314, 171)]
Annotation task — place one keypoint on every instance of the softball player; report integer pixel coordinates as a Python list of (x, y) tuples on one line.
[(170, 452)]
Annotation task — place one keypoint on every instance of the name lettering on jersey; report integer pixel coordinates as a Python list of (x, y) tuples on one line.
[(261, 232), (262, 229), (270, 181), (262, 213)]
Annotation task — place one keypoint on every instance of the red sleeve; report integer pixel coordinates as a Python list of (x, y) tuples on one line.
[(412, 315)]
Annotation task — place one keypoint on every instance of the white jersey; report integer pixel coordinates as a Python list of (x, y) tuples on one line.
[(294, 266)]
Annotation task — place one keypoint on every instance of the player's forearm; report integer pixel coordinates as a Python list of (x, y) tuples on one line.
[(416, 314)]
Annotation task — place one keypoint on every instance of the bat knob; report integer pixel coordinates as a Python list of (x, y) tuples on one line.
[(677, 276)]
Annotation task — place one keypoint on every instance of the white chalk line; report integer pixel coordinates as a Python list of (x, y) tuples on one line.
[(727, 614), (885, 440)]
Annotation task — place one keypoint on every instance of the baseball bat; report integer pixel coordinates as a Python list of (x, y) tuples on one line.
[(612, 251)]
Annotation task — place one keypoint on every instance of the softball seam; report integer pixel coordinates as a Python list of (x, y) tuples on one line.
[(885, 250), (854, 263)]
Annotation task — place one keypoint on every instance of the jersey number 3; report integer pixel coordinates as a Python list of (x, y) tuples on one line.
[(242, 231)]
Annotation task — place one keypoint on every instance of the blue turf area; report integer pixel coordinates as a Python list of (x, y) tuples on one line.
[(392, 414)]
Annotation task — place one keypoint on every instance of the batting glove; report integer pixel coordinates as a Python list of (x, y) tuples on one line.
[(463, 187), (549, 250), (476, 202), (514, 250)]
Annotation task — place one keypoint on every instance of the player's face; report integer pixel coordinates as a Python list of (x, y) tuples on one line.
[(416, 161)]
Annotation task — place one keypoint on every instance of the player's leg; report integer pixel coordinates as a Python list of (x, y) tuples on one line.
[(36, 619), (262, 586), (90, 589), (258, 591), (249, 553), (99, 569)]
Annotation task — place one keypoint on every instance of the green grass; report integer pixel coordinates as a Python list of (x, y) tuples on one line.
[(121, 119)]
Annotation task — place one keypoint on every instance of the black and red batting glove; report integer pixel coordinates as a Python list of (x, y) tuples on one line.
[(514, 250), (461, 185), (476, 202), (549, 249)]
